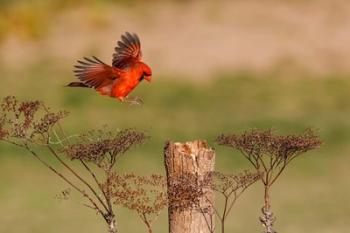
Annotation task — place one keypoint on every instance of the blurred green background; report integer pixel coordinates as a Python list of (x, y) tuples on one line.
[(218, 66)]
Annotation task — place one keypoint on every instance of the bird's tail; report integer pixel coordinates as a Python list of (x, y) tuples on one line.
[(76, 84)]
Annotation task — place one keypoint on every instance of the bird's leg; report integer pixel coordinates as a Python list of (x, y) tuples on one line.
[(133, 101)]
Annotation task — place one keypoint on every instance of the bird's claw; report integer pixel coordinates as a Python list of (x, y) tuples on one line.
[(133, 101)]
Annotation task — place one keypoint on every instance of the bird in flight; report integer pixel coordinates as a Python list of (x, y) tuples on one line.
[(118, 80)]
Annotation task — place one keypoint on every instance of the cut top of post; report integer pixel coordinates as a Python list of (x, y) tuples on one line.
[(194, 157)]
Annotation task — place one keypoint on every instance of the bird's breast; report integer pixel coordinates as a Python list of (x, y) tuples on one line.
[(124, 85)]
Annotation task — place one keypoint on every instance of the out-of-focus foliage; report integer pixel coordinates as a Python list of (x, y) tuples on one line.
[(33, 19)]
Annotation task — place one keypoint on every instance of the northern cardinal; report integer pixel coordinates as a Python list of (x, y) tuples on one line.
[(118, 80)]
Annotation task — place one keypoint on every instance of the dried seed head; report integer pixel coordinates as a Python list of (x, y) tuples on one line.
[(258, 143), (97, 145), (4, 133), (48, 120), (144, 194), (186, 192), (268, 152), (9, 104), (228, 184), (22, 120)]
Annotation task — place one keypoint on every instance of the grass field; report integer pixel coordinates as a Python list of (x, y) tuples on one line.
[(312, 196)]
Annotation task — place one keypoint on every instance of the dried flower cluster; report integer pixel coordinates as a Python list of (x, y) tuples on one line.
[(186, 192), (254, 144), (230, 187), (30, 123), (100, 146), (145, 195), (26, 120), (227, 184), (48, 121), (269, 154)]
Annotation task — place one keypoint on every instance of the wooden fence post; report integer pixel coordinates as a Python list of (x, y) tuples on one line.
[(197, 159)]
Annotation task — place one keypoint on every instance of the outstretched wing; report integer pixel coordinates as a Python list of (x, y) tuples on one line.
[(95, 73), (127, 51)]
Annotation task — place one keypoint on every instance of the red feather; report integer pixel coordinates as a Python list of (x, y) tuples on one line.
[(121, 78)]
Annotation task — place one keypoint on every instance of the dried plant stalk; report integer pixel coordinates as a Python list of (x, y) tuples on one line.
[(29, 124), (144, 194), (230, 187), (270, 154)]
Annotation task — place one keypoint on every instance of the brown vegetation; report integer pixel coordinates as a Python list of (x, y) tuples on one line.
[(270, 153), (191, 179)]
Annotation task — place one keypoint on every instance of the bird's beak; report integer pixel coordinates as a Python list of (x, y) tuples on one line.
[(148, 78)]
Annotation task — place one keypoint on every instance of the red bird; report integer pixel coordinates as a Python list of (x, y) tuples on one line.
[(118, 80)]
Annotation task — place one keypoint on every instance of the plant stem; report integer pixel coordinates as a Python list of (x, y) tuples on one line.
[(65, 179), (267, 219), (112, 226), (267, 198), (149, 229), (224, 215), (223, 226), (147, 222), (76, 175)]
